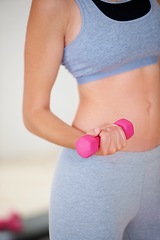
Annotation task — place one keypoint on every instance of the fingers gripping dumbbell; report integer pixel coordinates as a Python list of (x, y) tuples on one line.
[(88, 145)]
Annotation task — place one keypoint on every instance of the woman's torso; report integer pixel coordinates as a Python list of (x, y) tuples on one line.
[(134, 95)]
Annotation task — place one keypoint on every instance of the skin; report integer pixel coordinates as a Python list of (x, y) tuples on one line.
[(134, 95)]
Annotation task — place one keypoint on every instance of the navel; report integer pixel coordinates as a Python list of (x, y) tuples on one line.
[(149, 106)]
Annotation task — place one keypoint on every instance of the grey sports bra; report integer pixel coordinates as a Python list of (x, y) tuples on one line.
[(106, 46)]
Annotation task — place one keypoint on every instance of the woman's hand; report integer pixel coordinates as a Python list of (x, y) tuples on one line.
[(112, 139)]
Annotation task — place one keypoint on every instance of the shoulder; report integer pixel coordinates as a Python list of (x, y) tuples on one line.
[(51, 5), (57, 10)]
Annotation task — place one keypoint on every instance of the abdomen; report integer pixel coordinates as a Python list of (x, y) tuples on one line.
[(133, 95)]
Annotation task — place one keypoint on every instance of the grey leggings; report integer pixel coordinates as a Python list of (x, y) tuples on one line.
[(115, 197)]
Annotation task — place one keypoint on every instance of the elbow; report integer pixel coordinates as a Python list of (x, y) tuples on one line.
[(28, 119), (31, 118)]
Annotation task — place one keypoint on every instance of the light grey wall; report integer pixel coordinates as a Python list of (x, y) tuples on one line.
[(15, 140)]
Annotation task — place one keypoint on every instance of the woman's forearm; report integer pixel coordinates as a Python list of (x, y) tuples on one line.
[(45, 124)]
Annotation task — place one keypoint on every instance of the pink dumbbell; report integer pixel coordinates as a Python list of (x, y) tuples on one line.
[(13, 223), (88, 145)]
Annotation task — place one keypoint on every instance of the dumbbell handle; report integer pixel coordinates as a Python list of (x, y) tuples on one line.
[(88, 145)]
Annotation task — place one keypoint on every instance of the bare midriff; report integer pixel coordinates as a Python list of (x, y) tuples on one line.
[(134, 95)]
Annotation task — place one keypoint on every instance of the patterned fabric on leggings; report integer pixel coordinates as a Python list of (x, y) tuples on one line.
[(115, 197)]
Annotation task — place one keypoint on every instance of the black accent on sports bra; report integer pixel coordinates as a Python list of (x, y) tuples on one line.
[(124, 11)]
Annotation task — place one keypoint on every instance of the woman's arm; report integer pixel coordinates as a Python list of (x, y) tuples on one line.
[(44, 46)]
